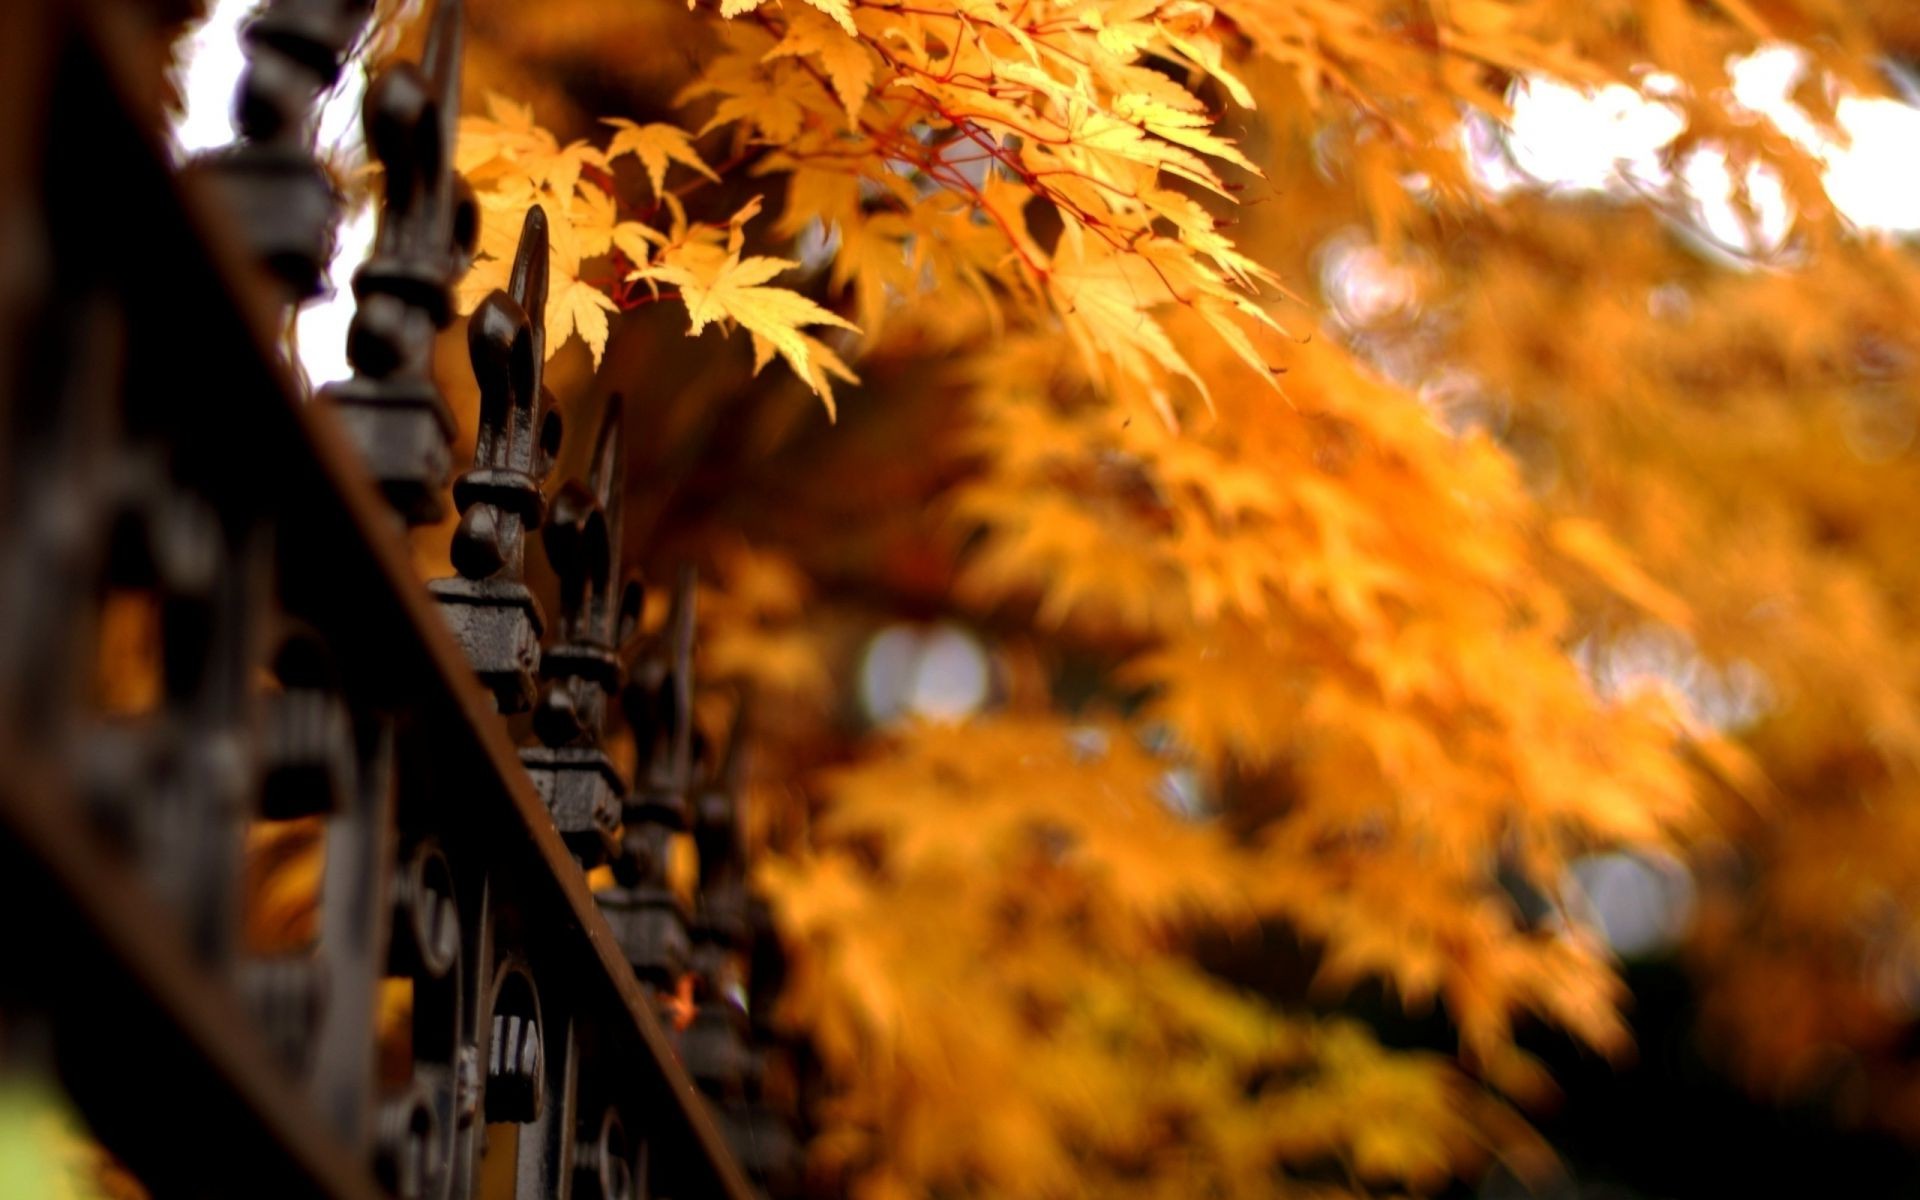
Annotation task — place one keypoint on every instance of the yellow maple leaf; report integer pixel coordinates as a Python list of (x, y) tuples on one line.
[(655, 146), (578, 307), (509, 143), (822, 366), (733, 290), (517, 164), (845, 59), (1105, 301)]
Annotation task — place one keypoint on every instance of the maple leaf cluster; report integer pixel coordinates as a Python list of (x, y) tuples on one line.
[(514, 164)]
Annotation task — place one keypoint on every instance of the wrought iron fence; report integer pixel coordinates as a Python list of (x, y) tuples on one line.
[(171, 501)]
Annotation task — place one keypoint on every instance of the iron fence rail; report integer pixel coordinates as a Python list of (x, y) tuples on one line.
[(157, 459)]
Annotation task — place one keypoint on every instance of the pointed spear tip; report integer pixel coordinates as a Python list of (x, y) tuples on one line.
[(441, 56), (681, 615), (528, 282), (531, 251)]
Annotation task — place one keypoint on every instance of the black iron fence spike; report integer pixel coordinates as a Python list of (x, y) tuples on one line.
[(392, 406), (493, 614), (580, 670)]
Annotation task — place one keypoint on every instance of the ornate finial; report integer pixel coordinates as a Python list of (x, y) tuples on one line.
[(658, 700), (719, 834), (492, 612), (583, 544), (582, 669), (284, 201), (519, 432), (715, 1045), (646, 915), (428, 225)]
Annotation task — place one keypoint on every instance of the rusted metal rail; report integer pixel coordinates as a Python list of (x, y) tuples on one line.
[(161, 471)]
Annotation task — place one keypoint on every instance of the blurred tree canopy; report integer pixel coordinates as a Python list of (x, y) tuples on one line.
[(1353, 547)]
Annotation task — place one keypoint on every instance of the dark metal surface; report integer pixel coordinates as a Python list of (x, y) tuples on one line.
[(492, 612), (428, 227), (287, 673), (581, 670), (645, 912), (284, 203)]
